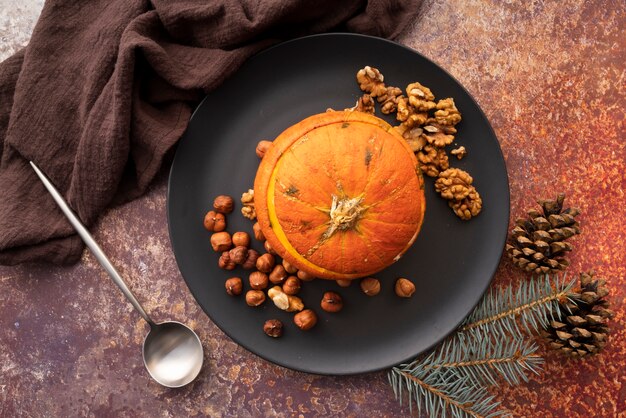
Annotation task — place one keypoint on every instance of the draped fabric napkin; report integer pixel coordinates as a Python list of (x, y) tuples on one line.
[(105, 88)]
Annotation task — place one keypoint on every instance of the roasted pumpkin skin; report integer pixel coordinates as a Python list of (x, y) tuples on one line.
[(340, 195)]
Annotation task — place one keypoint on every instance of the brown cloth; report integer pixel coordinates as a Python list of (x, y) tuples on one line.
[(105, 88)]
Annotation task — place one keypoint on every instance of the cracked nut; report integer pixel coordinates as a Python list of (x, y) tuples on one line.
[(234, 286), (214, 221), (221, 241), (262, 147), (371, 81), (459, 152), (284, 301), (258, 234), (370, 286), (265, 263), (225, 262), (258, 280), (223, 204), (250, 262), (273, 328), (404, 288), (291, 285), (248, 210), (278, 274), (241, 239), (239, 254), (255, 297), (305, 320), (331, 302), (364, 104)]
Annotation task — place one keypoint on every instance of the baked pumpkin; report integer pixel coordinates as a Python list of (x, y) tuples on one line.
[(340, 195)]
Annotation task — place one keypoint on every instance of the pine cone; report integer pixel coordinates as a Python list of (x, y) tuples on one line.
[(585, 330), (538, 243)]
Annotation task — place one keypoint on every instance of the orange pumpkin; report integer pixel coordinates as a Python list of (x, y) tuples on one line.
[(340, 195)]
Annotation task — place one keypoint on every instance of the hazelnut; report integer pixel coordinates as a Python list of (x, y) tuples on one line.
[(238, 254), (258, 234), (305, 320), (214, 221), (268, 248), (289, 268), (258, 280), (265, 263), (220, 241), (344, 283), (241, 239), (370, 286), (225, 262), (291, 285), (304, 276), (278, 274), (250, 262), (234, 286), (223, 204), (273, 328), (404, 288), (255, 297), (262, 147), (331, 302)]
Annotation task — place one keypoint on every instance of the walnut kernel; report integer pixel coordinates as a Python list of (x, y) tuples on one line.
[(459, 152)]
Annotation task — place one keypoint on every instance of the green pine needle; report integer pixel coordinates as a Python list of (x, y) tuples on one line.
[(442, 394), (484, 360), (535, 303), (488, 346)]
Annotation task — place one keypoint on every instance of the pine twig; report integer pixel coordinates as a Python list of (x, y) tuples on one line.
[(489, 345), (535, 302), (442, 394)]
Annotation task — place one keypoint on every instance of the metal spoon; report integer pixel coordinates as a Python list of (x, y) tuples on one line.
[(172, 352)]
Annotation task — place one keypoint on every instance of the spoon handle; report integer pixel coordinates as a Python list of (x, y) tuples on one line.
[(91, 243)]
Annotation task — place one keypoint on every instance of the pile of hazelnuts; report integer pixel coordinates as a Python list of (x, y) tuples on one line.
[(284, 278)]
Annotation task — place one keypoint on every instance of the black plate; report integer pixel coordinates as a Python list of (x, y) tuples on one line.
[(452, 261)]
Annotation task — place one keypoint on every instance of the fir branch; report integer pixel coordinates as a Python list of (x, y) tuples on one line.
[(535, 302), (489, 345), (485, 360), (442, 394)]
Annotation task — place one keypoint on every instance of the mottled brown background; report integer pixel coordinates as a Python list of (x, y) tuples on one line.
[(550, 77)]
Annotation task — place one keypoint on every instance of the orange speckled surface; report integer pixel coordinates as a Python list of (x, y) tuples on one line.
[(550, 75)]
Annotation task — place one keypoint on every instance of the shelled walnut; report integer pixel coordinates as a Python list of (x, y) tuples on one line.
[(364, 104), (447, 113), (459, 152), (432, 160), (248, 210), (455, 185), (371, 81)]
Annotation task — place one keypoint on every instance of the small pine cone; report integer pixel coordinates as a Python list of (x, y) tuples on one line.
[(538, 243), (584, 330), (432, 160), (371, 81)]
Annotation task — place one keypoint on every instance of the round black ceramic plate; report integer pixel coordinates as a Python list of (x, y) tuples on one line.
[(451, 263)]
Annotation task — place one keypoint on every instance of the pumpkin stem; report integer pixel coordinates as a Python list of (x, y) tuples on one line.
[(344, 213)]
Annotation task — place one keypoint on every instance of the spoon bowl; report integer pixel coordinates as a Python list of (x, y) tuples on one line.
[(172, 354)]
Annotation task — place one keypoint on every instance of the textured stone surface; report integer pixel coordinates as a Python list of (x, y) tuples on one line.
[(549, 76)]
